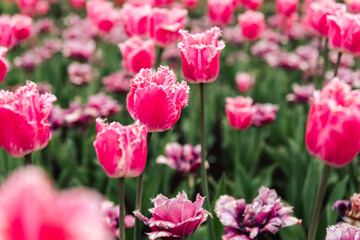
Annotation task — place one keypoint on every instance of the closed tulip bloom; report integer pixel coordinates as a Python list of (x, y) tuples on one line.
[(342, 231), (200, 54), (353, 6), (7, 37), (165, 25), (24, 127), (3, 63), (220, 12), (175, 218), (239, 112), (333, 126), (264, 113), (286, 7), (137, 54), (136, 19), (31, 208), (121, 150), (22, 26), (252, 4), (156, 98), (102, 14), (252, 24), (244, 81), (77, 4)]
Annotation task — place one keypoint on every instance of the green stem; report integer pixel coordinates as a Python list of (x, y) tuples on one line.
[(122, 208), (319, 202), (139, 191), (326, 60), (337, 64), (28, 159), (204, 182), (159, 56)]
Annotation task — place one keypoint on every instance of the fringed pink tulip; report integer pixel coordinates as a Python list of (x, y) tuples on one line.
[(342, 231), (3, 63), (200, 54), (220, 12), (121, 150), (165, 25), (24, 127), (175, 218), (31, 208), (239, 112), (252, 24), (333, 126), (136, 19), (102, 14), (244, 81), (137, 54), (156, 98), (286, 7)]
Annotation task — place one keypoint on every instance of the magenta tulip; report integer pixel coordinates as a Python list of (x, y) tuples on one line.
[(220, 12), (252, 24), (136, 19), (239, 112)]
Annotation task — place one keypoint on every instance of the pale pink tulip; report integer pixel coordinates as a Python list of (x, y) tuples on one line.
[(286, 7), (244, 81), (118, 81), (220, 12), (137, 54), (264, 113), (24, 127), (239, 112), (200, 54), (102, 14), (3, 63), (136, 19), (252, 24), (333, 126), (121, 150), (156, 98), (80, 73)]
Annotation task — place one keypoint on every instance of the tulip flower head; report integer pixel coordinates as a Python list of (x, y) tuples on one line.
[(156, 98), (220, 12), (342, 231), (252, 24), (333, 126), (200, 54), (286, 7), (349, 210), (244, 81), (121, 150), (24, 127), (353, 5), (136, 19), (239, 112), (175, 218), (3, 63)]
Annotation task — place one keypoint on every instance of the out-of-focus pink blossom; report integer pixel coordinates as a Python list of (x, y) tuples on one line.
[(79, 49), (349, 210), (244, 81), (251, 4), (24, 126), (80, 73), (118, 81), (220, 12), (342, 231), (233, 34), (333, 129), (121, 150), (246, 221), (79, 29), (165, 25), (190, 4), (346, 60), (104, 105), (200, 54), (345, 75), (353, 5), (102, 14), (44, 87), (77, 4), (175, 218), (14, 29), (31, 208), (137, 54), (22, 26), (183, 158), (239, 112), (44, 25), (264, 113), (286, 7), (156, 98), (252, 24), (42, 7), (302, 93), (3, 63), (136, 19), (110, 217)]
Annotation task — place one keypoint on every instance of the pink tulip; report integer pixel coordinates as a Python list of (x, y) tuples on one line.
[(175, 218), (79, 49), (190, 4), (42, 7), (220, 12), (200, 54), (24, 126), (264, 113), (239, 112), (136, 19), (22, 26), (100, 105), (317, 13), (286, 7), (165, 25), (121, 150), (3, 63), (102, 14), (156, 98), (137, 54), (344, 32), (353, 6), (342, 231), (77, 4), (118, 81), (7, 37), (252, 24), (161, 3), (252, 4), (80, 73), (244, 81), (333, 129), (31, 208)]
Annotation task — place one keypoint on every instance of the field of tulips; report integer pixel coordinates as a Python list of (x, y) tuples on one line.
[(179, 119)]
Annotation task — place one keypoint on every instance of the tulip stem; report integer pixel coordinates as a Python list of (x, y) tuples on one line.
[(159, 56), (204, 182), (326, 59), (122, 208), (337, 64), (319, 202), (28, 159), (139, 195)]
